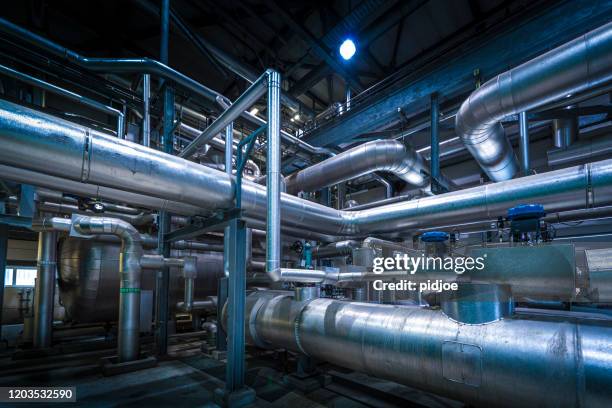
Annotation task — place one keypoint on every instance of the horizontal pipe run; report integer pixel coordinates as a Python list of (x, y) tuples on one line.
[(580, 152), (233, 111), (30, 138), (423, 348)]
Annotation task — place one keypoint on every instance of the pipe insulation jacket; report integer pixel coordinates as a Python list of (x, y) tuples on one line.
[(574, 67), (487, 365), (52, 147)]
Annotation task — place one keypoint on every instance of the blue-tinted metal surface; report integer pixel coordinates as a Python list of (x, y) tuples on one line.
[(491, 56)]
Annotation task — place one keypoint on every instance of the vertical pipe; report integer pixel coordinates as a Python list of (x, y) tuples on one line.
[(146, 119), (45, 289), (3, 253), (348, 97), (435, 143), (273, 176), (236, 304), (164, 217), (524, 142), (341, 194), (565, 131), (229, 143)]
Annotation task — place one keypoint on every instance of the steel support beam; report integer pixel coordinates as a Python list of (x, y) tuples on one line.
[(163, 279), (3, 253)]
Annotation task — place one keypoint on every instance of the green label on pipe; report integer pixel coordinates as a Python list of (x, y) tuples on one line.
[(129, 290)]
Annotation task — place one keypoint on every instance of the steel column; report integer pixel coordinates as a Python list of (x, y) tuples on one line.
[(163, 282), (146, 119), (3, 253), (236, 304), (434, 160), (524, 142), (45, 289)]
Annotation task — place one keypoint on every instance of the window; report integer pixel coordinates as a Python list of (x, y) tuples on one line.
[(20, 276)]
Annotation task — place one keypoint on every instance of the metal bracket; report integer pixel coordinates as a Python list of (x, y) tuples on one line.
[(200, 226)]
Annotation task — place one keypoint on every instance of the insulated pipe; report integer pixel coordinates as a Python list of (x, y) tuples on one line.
[(130, 274), (565, 132), (524, 142), (587, 150), (273, 178), (379, 155), (30, 138), (233, 111), (146, 121), (67, 94), (484, 365), (571, 68), (46, 266)]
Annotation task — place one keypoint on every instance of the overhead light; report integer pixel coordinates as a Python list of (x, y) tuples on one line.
[(347, 49), (297, 116), (293, 120), (254, 111)]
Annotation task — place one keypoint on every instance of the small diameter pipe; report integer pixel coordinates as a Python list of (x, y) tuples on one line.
[(30, 80), (146, 121), (45, 289), (524, 142)]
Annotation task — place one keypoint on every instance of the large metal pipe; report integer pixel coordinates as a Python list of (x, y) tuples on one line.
[(524, 142), (583, 151), (486, 365), (571, 68), (273, 179), (44, 293), (46, 144), (379, 155)]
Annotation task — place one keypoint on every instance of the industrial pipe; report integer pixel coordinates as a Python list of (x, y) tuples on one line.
[(44, 293), (581, 151), (379, 155), (565, 132), (486, 365), (233, 111), (146, 120), (571, 68), (42, 143)]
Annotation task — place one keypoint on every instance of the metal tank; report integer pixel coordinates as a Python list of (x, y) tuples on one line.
[(89, 279)]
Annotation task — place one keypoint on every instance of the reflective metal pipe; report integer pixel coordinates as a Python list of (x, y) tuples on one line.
[(146, 120), (524, 142), (273, 178), (483, 365), (574, 67), (379, 155), (29, 138), (233, 111), (565, 132), (44, 293), (130, 274), (581, 151)]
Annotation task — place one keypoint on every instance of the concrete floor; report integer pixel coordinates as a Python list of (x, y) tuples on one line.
[(187, 378)]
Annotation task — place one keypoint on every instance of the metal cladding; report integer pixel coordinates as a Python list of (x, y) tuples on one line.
[(424, 348), (574, 67), (89, 284), (379, 155), (34, 141)]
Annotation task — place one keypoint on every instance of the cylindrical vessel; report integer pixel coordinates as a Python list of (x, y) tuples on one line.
[(89, 279), (513, 362), (45, 289)]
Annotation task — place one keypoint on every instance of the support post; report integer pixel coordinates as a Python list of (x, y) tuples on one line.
[(163, 281), (524, 142), (3, 254), (435, 144), (45, 289)]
